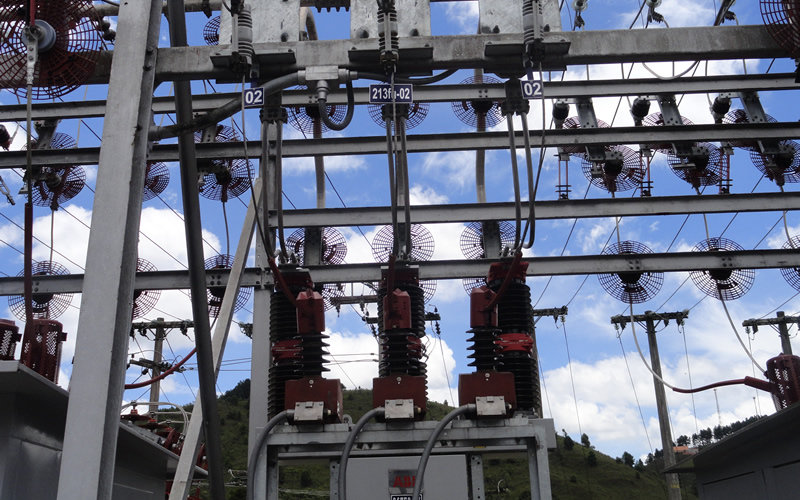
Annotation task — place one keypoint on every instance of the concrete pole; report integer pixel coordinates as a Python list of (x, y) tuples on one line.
[(786, 344), (673, 485), (158, 348)]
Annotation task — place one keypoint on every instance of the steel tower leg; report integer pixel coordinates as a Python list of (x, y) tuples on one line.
[(191, 445), (261, 346), (90, 437)]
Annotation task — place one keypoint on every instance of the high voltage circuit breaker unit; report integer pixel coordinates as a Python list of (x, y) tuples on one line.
[(395, 451)]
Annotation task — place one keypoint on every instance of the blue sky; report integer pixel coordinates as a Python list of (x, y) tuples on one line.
[(605, 403)]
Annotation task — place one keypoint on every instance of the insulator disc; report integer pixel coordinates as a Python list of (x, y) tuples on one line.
[(470, 284), (781, 18), (334, 246), (479, 113), (472, 245), (416, 114), (329, 291), (156, 180), (57, 183), (630, 287), (306, 118), (422, 244), (786, 164), (616, 175), (73, 27), (575, 122), (428, 289), (657, 120), (215, 294), (738, 117), (144, 300), (211, 31), (725, 284), (44, 305), (706, 169), (792, 274), (60, 184), (225, 178)]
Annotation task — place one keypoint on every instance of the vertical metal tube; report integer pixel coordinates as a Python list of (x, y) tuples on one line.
[(197, 273)]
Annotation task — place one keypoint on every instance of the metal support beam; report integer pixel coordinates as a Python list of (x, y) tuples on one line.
[(90, 435), (548, 210), (428, 143), (206, 372), (452, 269), (439, 93), (470, 51), (193, 436), (261, 348)]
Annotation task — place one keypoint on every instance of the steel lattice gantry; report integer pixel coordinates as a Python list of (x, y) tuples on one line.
[(136, 63)]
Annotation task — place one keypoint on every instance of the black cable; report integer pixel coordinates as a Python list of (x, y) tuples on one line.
[(414, 81), (322, 100)]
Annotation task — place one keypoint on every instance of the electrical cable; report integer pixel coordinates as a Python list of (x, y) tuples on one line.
[(162, 375), (635, 394), (515, 180), (348, 447), (641, 355), (260, 446), (575, 397), (322, 99), (223, 112), (682, 329), (227, 231), (738, 337), (426, 453), (414, 81)]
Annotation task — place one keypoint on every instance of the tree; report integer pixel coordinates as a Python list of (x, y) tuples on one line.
[(585, 440), (591, 458), (627, 458), (639, 465), (683, 440), (568, 443)]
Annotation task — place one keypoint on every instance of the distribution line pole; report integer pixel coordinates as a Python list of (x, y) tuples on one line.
[(650, 318), (782, 321), (158, 348)]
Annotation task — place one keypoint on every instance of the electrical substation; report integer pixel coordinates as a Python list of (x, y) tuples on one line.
[(305, 94)]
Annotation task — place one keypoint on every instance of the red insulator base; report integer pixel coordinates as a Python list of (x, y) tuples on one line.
[(316, 389), (482, 384), (401, 386)]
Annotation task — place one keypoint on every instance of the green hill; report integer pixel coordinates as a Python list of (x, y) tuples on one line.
[(571, 475)]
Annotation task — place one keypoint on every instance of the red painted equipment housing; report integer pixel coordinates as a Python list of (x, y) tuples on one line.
[(400, 386), (316, 389), (483, 384), (41, 347), (9, 336)]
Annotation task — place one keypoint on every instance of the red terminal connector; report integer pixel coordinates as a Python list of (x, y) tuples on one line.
[(515, 342), (310, 312), (397, 307), (479, 313)]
